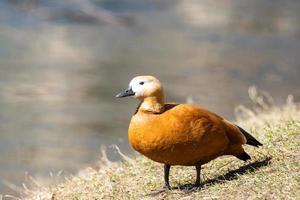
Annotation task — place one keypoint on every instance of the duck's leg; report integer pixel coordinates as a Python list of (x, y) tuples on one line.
[(166, 176), (198, 172)]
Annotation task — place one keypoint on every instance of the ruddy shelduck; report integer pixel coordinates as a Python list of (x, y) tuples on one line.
[(180, 134)]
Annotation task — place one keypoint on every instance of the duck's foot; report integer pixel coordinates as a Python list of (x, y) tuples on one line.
[(197, 185), (190, 187), (167, 187)]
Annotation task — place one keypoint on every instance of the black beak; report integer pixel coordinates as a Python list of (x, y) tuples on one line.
[(126, 93)]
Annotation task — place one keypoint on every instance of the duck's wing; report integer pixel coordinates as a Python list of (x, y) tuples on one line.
[(238, 135), (212, 121), (234, 134)]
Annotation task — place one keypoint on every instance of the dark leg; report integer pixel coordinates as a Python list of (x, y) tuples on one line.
[(166, 176), (198, 170)]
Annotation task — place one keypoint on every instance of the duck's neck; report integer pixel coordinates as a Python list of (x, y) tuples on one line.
[(153, 104)]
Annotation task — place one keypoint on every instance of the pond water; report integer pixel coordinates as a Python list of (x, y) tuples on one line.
[(62, 62)]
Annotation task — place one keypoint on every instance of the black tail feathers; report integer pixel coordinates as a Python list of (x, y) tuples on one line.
[(244, 156), (250, 139)]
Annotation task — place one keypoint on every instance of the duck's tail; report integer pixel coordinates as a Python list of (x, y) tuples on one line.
[(250, 139)]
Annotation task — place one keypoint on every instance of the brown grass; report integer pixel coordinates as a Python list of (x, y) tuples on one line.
[(272, 173)]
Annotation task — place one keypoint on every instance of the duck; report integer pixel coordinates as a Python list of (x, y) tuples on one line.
[(180, 134)]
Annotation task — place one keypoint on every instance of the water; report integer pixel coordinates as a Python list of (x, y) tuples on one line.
[(62, 62)]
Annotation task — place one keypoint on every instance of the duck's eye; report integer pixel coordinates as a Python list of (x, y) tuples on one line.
[(141, 83)]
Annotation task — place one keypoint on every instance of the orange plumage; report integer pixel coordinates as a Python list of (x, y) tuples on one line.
[(180, 134)]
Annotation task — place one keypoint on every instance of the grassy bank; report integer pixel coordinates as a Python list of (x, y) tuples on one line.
[(272, 173)]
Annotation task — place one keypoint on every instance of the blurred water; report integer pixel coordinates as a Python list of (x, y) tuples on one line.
[(62, 62)]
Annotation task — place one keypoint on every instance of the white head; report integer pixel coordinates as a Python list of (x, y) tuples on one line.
[(142, 87)]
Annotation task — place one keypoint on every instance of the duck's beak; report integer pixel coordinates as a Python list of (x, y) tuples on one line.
[(126, 93)]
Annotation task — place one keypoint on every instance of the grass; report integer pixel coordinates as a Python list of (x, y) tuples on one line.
[(272, 173)]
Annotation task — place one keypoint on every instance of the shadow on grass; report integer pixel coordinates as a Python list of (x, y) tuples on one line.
[(234, 174), (231, 175)]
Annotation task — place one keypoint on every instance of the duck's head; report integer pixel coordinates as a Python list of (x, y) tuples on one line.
[(149, 91), (142, 87)]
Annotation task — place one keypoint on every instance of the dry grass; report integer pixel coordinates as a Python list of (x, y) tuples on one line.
[(272, 173)]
